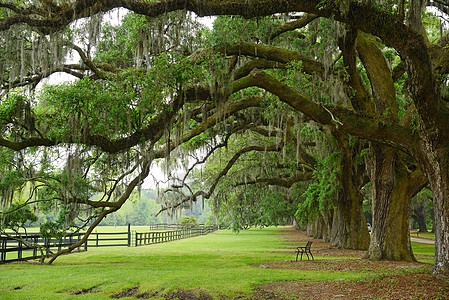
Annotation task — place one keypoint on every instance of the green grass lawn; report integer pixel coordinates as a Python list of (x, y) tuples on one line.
[(219, 264), (424, 235)]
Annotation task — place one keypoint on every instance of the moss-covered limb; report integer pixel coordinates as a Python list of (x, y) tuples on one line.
[(98, 73), (259, 64), (356, 90), (33, 80), (379, 75), (151, 132), (27, 143), (375, 129), (272, 53), (292, 25), (440, 56), (226, 111), (63, 14), (398, 71), (286, 181), (137, 180)]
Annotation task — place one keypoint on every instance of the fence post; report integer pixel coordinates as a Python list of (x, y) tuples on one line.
[(47, 245), (35, 241), (19, 254), (129, 235), (85, 244), (4, 242)]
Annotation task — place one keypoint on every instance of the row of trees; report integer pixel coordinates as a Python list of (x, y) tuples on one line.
[(296, 108)]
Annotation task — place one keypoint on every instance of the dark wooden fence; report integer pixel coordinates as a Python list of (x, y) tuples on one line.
[(12, 249), (155, 237), (25, 247), (110, 239)]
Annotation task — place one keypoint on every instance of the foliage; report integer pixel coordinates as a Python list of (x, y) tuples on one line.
[(189, 221), (228, 30), (17, 217), (321, 194), (57, 229), (138, 40)]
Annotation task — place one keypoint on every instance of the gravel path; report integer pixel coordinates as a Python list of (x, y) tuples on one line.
[(422, 240)]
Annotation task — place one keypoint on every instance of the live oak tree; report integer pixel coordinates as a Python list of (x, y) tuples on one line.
[(400, 149), (100, 134)]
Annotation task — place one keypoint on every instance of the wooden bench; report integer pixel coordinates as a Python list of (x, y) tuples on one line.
[(304, 250)]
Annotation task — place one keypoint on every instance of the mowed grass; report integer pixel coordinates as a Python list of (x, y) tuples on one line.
[(424, 235), (220, 263)]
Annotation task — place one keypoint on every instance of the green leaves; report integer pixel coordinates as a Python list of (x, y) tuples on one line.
[(58, 228), (321, 194), (189, 221), (16, 217), (228, 30)]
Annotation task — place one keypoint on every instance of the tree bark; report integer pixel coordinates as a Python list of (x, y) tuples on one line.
[(437, 169), (327, 225), (349, 228), (419, 217), (392, 187)]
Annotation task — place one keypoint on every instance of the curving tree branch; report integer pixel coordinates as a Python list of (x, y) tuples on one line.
[(292, 25), (224, 171)]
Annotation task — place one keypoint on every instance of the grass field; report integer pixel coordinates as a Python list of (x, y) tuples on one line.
[(218, 264), (425, 235)]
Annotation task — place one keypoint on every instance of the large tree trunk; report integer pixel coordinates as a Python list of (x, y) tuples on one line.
[(349, 229), (437, 167), (419, 217), (392, 186), (327, 225), (321, 227)]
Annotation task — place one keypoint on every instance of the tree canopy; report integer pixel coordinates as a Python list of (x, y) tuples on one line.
[(293, 107)]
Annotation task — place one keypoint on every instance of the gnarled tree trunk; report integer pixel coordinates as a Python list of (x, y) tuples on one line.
[(349, 229), (437, 169), (419, 217), (392, 187)]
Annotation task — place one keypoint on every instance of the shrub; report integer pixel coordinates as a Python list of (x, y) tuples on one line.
[(190, 221)]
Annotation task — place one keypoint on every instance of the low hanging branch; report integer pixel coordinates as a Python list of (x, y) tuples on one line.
[(376, 129), (292, 25), (98, 73), (124, 197), (214, 148), (273, 54), (286, 182)]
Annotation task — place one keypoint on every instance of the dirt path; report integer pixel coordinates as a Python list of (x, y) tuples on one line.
[(422, 240)]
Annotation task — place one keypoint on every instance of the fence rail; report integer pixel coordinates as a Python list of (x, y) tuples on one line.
[(109, 239), (156, 237), (27, 248), (33, 246)]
